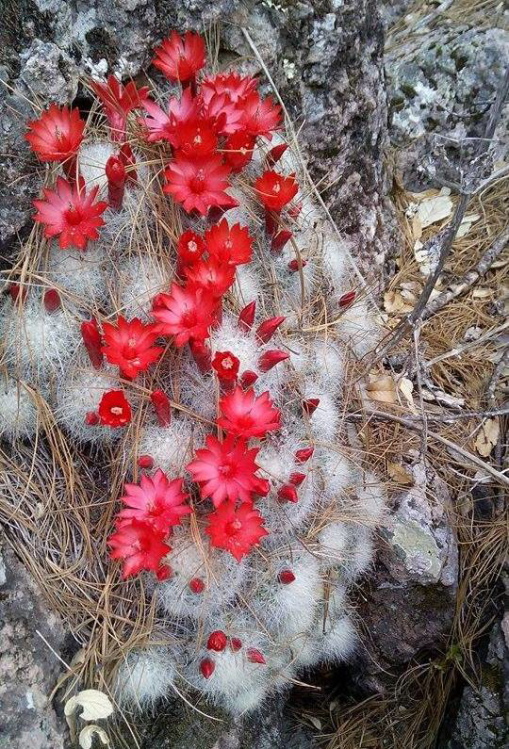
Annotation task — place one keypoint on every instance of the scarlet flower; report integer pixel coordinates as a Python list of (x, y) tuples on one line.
[(57, 134), (155, 500), (238, 149), (179, 58), (163, 125), (118, 100), (129, 345), (70, 214), (236, 529), (243, 414), (140, 545), (196, 137), (260, 117), (275, 190), (185, 313), (235, 86), (190, 247), (214, 277), (114, 409), (226, 365), (227, 115), (227, 470), (198, 184), (231, 245)]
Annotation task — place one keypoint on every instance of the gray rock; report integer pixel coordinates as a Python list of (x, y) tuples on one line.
[(28, 667)]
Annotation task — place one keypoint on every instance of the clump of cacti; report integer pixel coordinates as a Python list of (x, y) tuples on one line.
[(215, 364)]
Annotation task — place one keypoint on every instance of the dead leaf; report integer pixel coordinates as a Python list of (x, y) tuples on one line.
[(482, 293), (433, 210), (416, 228), (86, 738), (406, 387), (487, 437), (95, 704), (382, 389), (466, 224), (316, 722), (395, 304), (398, 474)]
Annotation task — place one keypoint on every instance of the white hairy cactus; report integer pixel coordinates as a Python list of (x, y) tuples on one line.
[(242, 619)]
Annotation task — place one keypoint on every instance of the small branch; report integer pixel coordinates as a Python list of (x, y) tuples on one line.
[(495, 177), (496, 375), (470, 278)]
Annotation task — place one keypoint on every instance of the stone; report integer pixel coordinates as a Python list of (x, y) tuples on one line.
[(29, 666)]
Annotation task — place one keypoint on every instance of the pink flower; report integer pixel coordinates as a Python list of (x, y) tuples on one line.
[(114, 409), (70, 214), (214, 277), (198, 183), (227, 470), (231, 245), (185, 313), (57, 134), (163, 125), (235, 86), (243, 414), (156, 500), (129, 345), (260, 117), (179, 58), (140, 545), (236, 529), (118, 100)]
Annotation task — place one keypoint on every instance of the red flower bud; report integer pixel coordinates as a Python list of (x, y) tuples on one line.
[(254, 656), (202, 355), (271, 222), (116, 175), (294, 265), (145, 461), (18, 293), (162, 407), (266, 330), (288, 493), (347, 298), (297, 478), (217, 211), (286, 577), (91, 418), (280, 239), (235, 644), (295, 210), (301, 456), (164, 572), (51, 300), (270, 358), (275, 154), (310, 405), (207, 667), (93, 342), (247, 316), (248, 378), (217, 641), (197, 585), (128, 159)]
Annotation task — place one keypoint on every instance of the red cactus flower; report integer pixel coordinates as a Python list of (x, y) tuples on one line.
[(243, 414), (196, 137), (114, 409), (217, 641), (211, 275), (179, 58), (198, 184), (155, 500), (227, 115), (236, 529), (93, 342), (116, 175), (275, 190), (185, 313), (118, 100), (232, 84), (238, 149), (190, 247), (70, 214), (260, 117), (231, 245), (129, 345), (161, 125), (227, 470), (57, 134), (226, 366), (140, 545)]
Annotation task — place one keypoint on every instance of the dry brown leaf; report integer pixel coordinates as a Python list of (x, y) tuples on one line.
[(482, 293), (487, 437), (433, 210), (406, 388), (382, 389), (399, 475), (395, 304), (416, 229)]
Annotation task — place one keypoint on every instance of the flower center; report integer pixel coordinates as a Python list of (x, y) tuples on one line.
[(188, 319), (197, 183), (227, 362), (192, 246), (73, 216), (116, 410), (226, 470), (233, 527), (276, 188)]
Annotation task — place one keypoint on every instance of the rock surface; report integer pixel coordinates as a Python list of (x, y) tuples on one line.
[(28, 667)]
